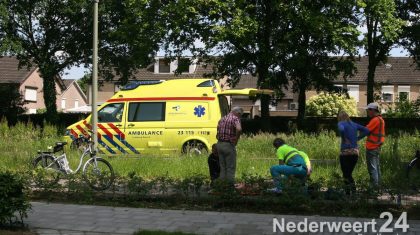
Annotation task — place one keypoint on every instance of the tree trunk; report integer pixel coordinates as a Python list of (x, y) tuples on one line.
[(371, 80), (265, 106), (50, 97), (301, 107), (265, 101)]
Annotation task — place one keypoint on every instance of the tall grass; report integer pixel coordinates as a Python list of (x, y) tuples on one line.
[(19, 145)]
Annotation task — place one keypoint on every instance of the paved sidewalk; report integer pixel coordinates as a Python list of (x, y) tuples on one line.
[(61, 219)]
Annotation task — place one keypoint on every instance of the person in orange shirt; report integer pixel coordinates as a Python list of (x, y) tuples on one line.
[(374, 141)]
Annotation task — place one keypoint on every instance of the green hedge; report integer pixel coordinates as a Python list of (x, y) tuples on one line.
[(393, 126)]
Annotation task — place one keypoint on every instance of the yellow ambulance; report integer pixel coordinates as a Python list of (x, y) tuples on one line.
[(150, 116)]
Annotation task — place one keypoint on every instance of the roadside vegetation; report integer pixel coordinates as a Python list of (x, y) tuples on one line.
[(181, 182), (20, 144)]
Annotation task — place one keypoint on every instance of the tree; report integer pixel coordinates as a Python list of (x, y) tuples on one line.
[(130, 35), (246, 37), (383, 30), (329, 104), (319, 29), (54, 35)]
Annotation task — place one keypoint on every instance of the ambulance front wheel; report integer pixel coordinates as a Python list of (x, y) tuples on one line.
[(194, 147)]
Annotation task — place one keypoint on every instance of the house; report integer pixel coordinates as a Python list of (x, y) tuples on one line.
[(30, 85), (72, 97), (398, 78)]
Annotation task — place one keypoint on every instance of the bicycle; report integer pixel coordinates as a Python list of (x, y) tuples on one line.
[(97, 172)]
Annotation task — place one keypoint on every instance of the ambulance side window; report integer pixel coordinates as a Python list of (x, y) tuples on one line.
[(111, 113), (146, 111)]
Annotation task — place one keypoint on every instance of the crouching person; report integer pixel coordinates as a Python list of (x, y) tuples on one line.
[(292, 162)]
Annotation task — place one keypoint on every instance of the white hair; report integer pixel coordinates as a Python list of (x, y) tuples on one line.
[(237, 110)]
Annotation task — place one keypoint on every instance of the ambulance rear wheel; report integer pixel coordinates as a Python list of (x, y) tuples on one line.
[(194, 147)]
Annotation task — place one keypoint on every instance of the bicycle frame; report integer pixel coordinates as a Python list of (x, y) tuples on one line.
[(86, 152)]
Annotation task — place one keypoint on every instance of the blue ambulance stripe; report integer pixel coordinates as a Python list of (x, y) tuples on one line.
[(126, 143), (113, 143), (106, 146)]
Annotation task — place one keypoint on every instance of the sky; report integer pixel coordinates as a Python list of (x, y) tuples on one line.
[(78, 72)]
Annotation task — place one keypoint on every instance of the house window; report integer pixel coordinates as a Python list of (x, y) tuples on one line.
[(338, 88), (76, 103), (403, 93), (184, 65), (31, 111), (164, 66), (30, 94), (150, 111), (388, 93), (63, 103), (353, 91)]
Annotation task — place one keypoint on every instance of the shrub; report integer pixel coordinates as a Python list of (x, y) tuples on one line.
[(404, 109), (13, 201), (329, 104)]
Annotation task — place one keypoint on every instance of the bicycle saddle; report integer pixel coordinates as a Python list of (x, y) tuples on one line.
[(60, 143)]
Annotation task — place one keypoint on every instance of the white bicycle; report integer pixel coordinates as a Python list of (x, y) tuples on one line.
[(97, 172)]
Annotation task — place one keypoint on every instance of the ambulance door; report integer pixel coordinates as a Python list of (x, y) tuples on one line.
[(145, 125), (110, 128)]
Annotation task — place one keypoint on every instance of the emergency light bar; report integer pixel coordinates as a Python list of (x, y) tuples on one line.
[(133, 85)]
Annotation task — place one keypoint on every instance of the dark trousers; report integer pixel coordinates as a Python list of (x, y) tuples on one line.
[(214, 167), (348, 163)]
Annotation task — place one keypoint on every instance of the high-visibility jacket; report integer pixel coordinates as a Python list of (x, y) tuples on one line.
[(376, 135), (286, 152)]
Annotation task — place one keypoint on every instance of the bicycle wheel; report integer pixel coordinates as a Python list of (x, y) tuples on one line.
[(98, 174), (47, 171)]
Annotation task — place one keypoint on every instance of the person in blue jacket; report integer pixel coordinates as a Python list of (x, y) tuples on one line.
[(349, 151)]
